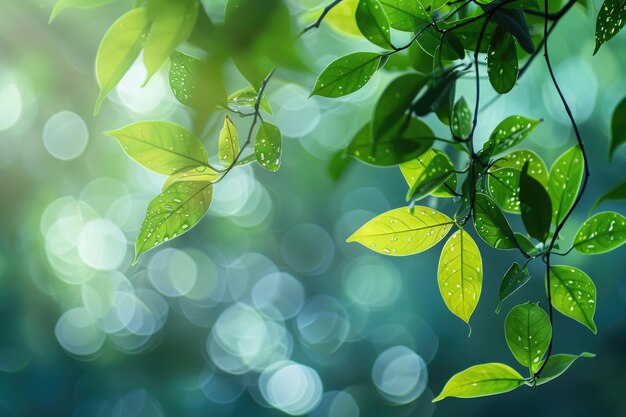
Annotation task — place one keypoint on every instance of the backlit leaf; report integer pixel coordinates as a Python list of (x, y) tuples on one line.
[(503, 185), (247, 98), (510, 132), (398, 232), (200, 173), (611, 19), (451, 47), (183, 77), (491, 225), (172, 23), (558, 364), (461, 125), (502, 65), (535, 206), (172, 213), (268, 146), (436, 173), (413, 169), (601, 233), (341, 18), (528, 333), (162, 147), (228, 144), (514, 279), (616, 193), (373, 23), (405, 15), (346, 74), (573, 294), (481, 380), (460, 275), (536, 166), (118, 50), (618, 125), (565, 178), (78, 4)]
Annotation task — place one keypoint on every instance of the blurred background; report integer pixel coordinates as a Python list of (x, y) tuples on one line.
[(263, 309)]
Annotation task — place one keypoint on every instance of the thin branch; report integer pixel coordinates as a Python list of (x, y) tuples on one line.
[(321, 17)]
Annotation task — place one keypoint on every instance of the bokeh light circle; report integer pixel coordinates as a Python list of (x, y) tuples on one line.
[(292, 388), (400, 375), (65, 135)]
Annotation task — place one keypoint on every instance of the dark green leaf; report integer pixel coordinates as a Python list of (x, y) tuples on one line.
[(394, 102), (514, 279), (469, 33), (437, 94), (268, 146), (558, 364), (436, 173), (528, 333), (526, 245), (616, 193), (405, 15), (461, 125), (573, 294), (451, 47), (535, 206), (346, 74), (401, 143), (172, 213), (514, 22), (491, 225), (618, 125), (601, 233), (502, 65), (373, 23), (339, 164), (611, 19), (565, 179)]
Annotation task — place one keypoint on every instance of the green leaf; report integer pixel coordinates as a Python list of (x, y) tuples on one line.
[(183, 75), (373, 23), (247, 98), (200, 173), (528, 333), (436, 173), (451, 46), (565, 178), (118, 50), (601, 233), (510, 132), (616, 193), (78, 4), (228, 144), (172, 23), (437, 4), (535, 206), (558, 364), (162, 147), (461, 125), (346, 74), (514, 279), (481, 380), (399, 232), (468, 30), (491, 225), (394, 102), (405, 15), (536, 166), (502, 65), (618, 126), (340, 18), (268, 146), (514, 22), (526, 245), (439, 96), (503, 185), (172, 213), (400, 143), (573, 294), (460, 275), (611, 19), (412, 170)]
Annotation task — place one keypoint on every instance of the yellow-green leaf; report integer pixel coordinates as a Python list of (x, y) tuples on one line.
[(573, 294), (601, 233), (162, 147), (200, 173), (460, 275), (268, 146), (228, 145), (78, 4), (536, 166), (247, 98), (482, 380), (172, 23), (173, 212), (340, 18), (118, 49), (412, 170), (399, 233)]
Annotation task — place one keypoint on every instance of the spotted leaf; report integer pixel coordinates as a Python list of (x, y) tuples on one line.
[(436, 173), (461, 125), (565, 178), (268, 146), (399, 232), (510, 132), (502, 65), (228, 143), (491, 225), (573, 294), (405, 15), (514, 279), (373, 23), (460, 275), (536, 166), (412, 170), (481, 381), (601, 233), (611, 19), (528, 333), (346, 74)]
